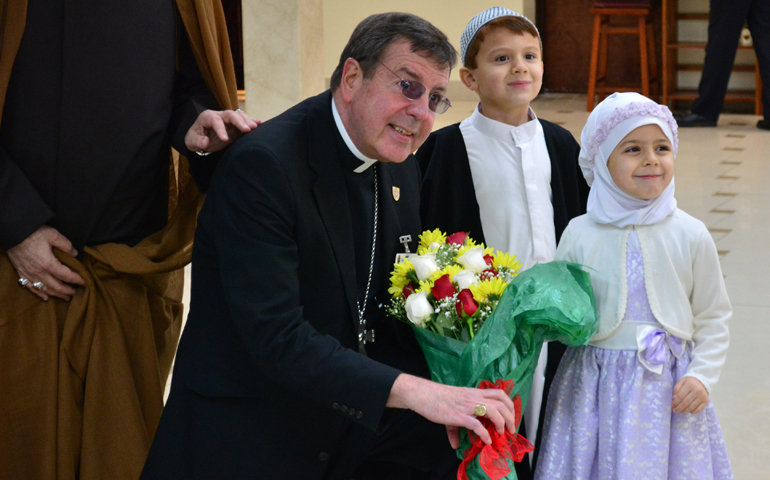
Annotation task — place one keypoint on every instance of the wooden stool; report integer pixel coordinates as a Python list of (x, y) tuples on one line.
[(759, 107), (599, 47)]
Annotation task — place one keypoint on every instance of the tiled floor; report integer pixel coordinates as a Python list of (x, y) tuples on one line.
[(722, 175)]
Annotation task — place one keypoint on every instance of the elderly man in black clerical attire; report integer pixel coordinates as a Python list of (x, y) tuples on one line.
[(288, 367)]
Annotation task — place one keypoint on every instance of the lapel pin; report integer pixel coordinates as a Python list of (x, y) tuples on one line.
[(404, 240), (396, 193)]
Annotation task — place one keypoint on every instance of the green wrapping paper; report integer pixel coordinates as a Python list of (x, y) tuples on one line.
[(550, 301)]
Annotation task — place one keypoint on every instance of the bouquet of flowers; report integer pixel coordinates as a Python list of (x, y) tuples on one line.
[(481, 322), (452, 286)]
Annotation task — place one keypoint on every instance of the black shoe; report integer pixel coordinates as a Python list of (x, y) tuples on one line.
[(694, 120), (764, 124)]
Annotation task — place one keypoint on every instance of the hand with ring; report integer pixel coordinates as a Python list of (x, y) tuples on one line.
[(215, 130), (38, 269), (454, 407)]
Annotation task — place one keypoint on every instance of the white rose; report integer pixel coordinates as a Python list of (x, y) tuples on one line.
[(424, 265), (473, 260), (465, 279), (418, 308)]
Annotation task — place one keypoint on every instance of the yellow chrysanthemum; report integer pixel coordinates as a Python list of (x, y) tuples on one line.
[(488, 288), (398, 278), (426, 286), (395, 291), (503, 259), (427, 238), (400, 272)]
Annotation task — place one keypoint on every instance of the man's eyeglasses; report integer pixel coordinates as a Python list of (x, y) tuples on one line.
[(413, 90)]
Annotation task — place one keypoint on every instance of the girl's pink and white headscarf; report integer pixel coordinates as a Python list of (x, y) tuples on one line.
[(609, 123)]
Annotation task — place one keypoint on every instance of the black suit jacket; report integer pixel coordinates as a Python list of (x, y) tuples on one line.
[(271, 343)]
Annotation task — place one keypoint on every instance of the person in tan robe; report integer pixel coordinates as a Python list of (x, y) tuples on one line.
[(98, 215)]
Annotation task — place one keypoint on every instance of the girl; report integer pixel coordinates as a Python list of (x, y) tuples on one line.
[(634, 403)]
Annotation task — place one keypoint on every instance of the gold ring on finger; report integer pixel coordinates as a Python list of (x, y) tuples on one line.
[(480, 410)]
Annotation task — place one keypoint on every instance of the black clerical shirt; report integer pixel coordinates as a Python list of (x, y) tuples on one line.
[(360, 188)]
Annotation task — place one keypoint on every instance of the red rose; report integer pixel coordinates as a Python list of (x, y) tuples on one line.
[(488, 259), (466, 305), (443, 288), (457, 238), (408, 290)]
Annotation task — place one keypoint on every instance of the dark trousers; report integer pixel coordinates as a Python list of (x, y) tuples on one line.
[(405, 447), (726, 19), (196, 441)]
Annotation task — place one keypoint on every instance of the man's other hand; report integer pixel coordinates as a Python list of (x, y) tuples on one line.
[(34, 260)]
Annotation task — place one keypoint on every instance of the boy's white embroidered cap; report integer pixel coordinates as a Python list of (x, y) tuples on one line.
[(482, 19)]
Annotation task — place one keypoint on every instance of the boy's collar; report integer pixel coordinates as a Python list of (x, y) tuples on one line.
[(503, 131)]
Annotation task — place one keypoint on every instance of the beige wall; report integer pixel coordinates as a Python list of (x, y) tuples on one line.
[(283, 54), (451, 16), (298, 42)]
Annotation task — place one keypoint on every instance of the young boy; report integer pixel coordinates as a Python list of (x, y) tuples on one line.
[(508, 178)]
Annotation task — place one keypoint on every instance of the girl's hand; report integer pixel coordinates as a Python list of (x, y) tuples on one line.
[(690, 396)]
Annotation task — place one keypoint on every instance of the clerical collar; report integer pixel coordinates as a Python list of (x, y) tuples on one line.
[(368, 162), (502, 131)]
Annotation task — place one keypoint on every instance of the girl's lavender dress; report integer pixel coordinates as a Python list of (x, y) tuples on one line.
[(610, 418)]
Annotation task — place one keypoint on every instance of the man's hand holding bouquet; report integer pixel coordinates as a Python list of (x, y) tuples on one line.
[(481, 323)]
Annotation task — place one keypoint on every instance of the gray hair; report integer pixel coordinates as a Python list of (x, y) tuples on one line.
[(377, 32)]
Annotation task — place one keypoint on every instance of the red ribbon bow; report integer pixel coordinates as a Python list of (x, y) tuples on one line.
[(493, 458)]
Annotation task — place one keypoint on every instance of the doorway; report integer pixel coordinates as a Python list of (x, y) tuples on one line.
[(566, 28)]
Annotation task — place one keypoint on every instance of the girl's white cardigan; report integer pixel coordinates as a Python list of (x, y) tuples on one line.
[(682, 275)]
